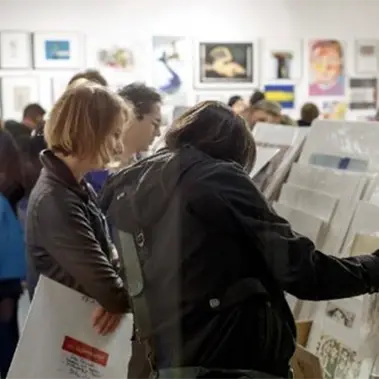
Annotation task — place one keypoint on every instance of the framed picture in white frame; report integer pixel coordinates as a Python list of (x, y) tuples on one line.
[(15, 50), (282, 59), (225, 64), (366, 56), (58, 50), (20, 91)]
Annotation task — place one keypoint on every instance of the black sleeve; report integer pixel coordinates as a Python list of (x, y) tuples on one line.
[(70, 240), (236, 205)]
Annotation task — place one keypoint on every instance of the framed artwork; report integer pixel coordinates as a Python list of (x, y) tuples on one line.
[(59, 85), (334, 110), (116, 58), (335, 338), (58, 50), (363, 93), (225, 64), (367, 56), (21, 91), (281, 60), (326, 67), (15, 50), (172, 68), (284, 94)]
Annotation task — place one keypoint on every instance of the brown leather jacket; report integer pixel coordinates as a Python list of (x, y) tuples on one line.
[(68, 239)]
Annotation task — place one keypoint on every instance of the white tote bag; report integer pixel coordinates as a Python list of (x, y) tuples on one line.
[(58, 341)]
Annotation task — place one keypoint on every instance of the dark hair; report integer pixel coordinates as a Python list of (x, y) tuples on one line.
[(309, 112), (34, 112), (90, 75), (233, 100), (11, 172), (141, 97), (256, 97), (216, 130)]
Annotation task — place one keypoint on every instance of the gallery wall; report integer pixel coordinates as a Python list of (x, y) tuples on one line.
[(120, 22)]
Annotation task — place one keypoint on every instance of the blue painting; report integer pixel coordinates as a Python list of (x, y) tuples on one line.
[(57, 50)]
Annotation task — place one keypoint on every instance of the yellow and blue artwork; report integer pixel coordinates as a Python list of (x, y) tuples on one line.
[(57, 50), (284, 94)]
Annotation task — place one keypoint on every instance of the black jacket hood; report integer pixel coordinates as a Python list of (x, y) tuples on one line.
[(138, 195)]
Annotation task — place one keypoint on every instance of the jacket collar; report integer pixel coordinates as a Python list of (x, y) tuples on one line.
[(59, 171)]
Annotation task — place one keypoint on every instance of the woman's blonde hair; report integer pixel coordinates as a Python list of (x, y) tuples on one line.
[(84, 119)]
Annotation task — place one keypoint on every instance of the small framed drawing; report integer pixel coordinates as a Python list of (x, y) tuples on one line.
[(21, 91), (15, 50), (225, 64), (59, 85), (282, 59), (58, 50), (366, 56)]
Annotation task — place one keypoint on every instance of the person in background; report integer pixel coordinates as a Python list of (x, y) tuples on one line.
[(287, 120), (237, 103), (308, 113), (217, 258), (12, 189), (265, 111), (33, 114), (96, 177), (145, 127), (256, 97), (67, 236), (91, 75)]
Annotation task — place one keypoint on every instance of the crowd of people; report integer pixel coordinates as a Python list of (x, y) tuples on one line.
[(181, 238)]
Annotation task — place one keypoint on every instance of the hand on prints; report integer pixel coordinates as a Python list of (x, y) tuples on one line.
[(105, 322)]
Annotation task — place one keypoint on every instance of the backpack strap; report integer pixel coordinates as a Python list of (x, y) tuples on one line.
[(132, 245)]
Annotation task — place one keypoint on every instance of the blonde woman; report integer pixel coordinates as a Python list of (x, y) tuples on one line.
[(67, 236), (265, 111)]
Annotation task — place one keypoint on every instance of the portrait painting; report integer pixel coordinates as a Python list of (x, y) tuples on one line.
[(226, 63), (282, 59), (326, 68), (170, 68), (337, 360), (119, 58), (339, 314), (15, 50), (58, 50)]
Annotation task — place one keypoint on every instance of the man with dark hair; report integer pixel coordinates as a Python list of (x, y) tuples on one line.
[(146, 102), (91, 75), (32, 116), (256, 97)]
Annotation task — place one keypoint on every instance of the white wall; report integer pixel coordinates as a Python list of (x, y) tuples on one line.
[(135, 21)]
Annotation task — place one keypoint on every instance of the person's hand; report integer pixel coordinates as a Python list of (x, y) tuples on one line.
[(105, 322)]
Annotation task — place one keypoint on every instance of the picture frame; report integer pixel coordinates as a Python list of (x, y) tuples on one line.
[(15, 50), (58, 50), (59, 84), (366, 56), (222, 96), (282, 60), (240, 70), (335, 338), (21, 91)]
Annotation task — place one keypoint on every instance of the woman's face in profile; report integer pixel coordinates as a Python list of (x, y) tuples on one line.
[(239, 107), (259, 115)]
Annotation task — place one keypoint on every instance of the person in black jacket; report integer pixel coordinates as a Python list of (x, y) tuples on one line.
[(215, 256), (309, 112), (66, 234)]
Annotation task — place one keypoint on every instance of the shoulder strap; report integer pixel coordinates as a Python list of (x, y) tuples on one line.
[(132, 245)]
